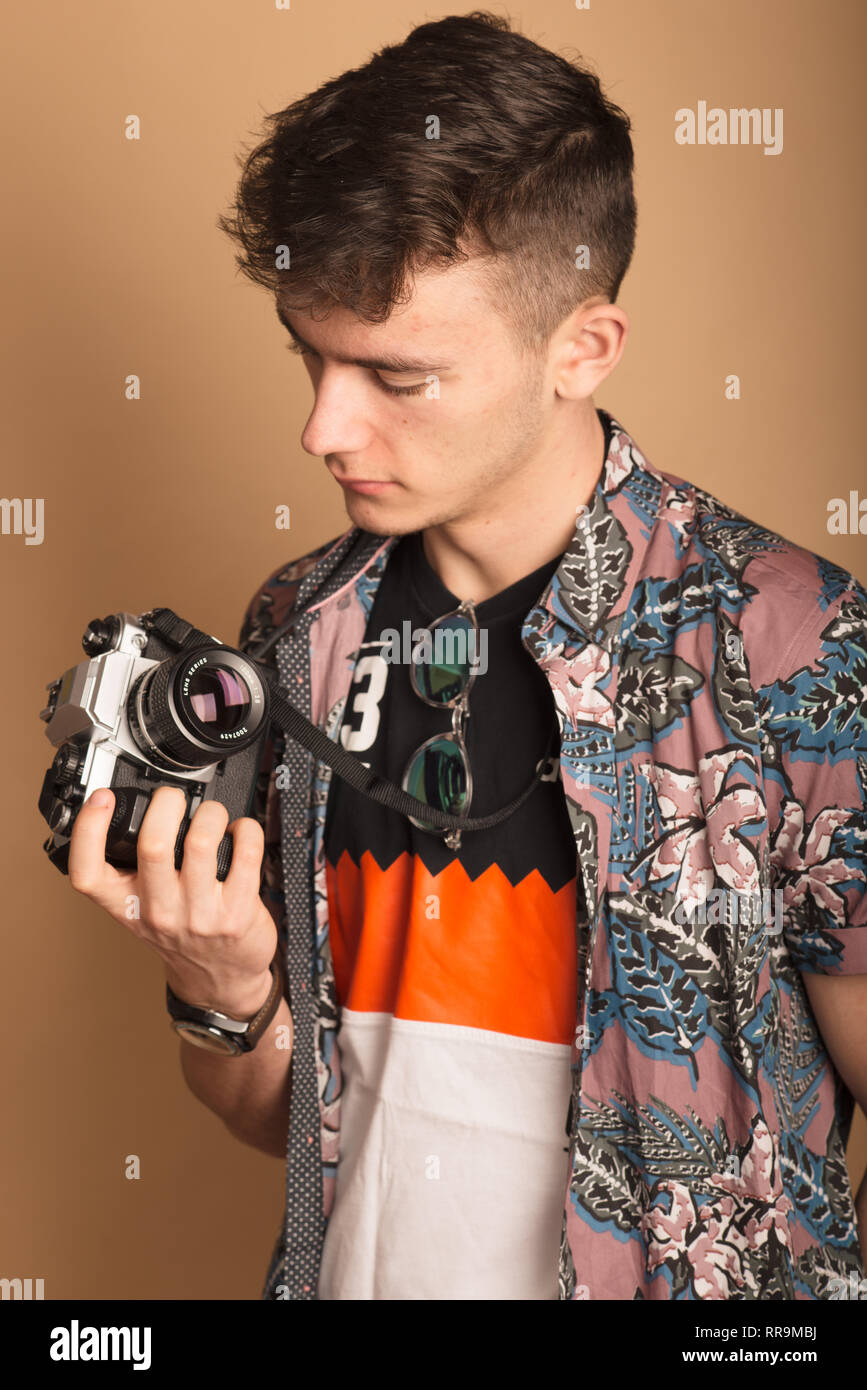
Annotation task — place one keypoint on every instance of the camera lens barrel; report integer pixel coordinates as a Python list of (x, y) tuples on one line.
[(198, 707)]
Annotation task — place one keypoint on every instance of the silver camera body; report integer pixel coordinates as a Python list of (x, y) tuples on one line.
[(157, 702)]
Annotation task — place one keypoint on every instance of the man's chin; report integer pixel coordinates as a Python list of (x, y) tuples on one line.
[(372, 514)]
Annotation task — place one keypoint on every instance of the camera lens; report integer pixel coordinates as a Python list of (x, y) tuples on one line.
[(197, 707)]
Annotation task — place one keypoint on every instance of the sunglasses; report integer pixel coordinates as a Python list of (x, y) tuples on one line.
[(438, 773)]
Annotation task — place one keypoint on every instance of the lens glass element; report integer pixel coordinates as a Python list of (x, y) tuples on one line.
[(218, 698)]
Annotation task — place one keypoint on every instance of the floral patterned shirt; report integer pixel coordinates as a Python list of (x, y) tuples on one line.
[(710, 681)]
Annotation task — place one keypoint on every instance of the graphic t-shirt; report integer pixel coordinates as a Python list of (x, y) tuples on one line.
[(455, 972)]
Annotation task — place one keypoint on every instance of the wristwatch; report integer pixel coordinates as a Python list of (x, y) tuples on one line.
[(217, 1032)]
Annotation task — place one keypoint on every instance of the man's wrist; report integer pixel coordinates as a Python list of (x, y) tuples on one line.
[(239, 999)]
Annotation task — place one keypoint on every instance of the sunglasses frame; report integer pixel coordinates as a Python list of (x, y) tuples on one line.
[(459, 706)]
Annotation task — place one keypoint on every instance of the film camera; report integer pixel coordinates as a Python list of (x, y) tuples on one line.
[(157, 703)]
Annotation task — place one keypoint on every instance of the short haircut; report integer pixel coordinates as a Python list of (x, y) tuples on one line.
[(531, 163)]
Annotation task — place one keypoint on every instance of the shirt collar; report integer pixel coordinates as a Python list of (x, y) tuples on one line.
[(593, 584)]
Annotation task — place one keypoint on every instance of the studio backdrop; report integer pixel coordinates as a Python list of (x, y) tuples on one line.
[(151, 420)]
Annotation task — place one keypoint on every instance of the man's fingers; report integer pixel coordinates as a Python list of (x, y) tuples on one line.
[(88, 871), (165, 895), (159, 880), (242, 883), (199, 869)]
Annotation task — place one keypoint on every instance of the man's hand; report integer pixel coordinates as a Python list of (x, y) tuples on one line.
[(216, 940)]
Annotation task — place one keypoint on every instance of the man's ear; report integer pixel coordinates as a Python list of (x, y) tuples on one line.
[(587, 346)]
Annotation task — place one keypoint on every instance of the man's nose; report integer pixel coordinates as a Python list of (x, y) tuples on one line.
[(338, 423)]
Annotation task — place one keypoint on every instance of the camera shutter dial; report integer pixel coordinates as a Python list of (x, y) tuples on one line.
[(67, 761)]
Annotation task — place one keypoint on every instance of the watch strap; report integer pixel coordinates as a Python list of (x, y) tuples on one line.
[(245, 1033), (260, 1021)]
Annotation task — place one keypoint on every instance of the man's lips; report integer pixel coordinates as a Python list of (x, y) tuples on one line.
[(363, 484)]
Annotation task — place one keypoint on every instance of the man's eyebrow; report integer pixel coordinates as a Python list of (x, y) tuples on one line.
[(391, 363)]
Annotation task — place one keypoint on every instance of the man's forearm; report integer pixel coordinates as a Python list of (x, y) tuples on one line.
[(251, 1092)]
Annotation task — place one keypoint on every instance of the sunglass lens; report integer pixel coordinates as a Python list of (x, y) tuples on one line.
[(445, 672), (437, 775)]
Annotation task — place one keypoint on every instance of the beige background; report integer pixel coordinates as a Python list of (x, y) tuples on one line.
[(746, 263)]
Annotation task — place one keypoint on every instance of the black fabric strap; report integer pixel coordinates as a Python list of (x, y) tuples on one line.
[(369, 783), (339, 759)]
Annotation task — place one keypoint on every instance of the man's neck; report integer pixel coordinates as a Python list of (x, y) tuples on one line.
[(530, 522)]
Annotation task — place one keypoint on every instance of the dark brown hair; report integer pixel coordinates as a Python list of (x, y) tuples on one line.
[(531, 162)]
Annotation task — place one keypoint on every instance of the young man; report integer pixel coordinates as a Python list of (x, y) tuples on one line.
[(607, 1047)]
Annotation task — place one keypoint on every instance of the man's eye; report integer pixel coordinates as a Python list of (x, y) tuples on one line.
[(402, 390), (302, 351)]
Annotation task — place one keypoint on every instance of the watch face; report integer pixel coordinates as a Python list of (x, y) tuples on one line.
[(202, 1036)]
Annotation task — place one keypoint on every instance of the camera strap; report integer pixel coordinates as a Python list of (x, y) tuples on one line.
[(351, 769), (369, 783)]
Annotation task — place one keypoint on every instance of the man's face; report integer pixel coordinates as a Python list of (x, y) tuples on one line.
[(461, 445)]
